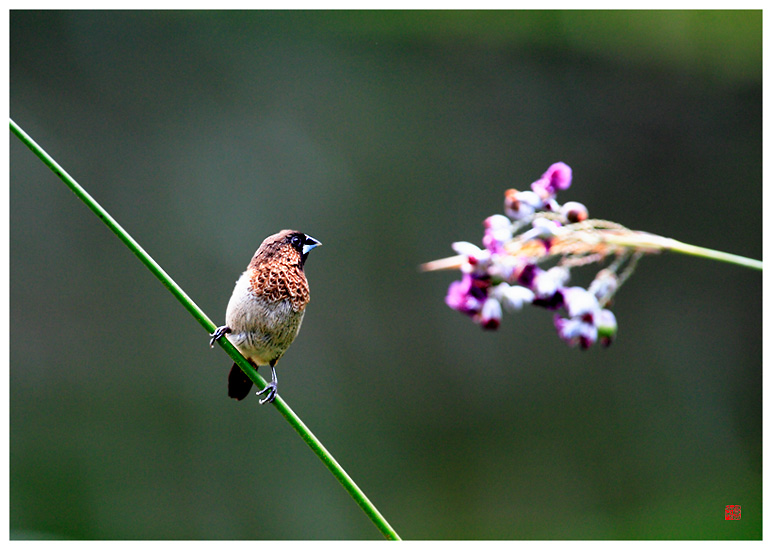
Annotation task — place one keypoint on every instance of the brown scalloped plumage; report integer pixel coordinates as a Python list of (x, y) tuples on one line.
[(276, 272)]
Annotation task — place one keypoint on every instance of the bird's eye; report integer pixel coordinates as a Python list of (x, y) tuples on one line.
[(296, 241)]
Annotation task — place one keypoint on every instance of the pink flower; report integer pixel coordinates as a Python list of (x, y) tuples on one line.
[(576, 331), (467, 295), (477, 259), (520, 205), (504, 273), (586, 322), (498, 230), (556, 178)]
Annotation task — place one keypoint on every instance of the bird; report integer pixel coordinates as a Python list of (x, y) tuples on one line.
[(266, 308)]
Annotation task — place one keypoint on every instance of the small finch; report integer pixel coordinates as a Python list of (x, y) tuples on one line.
[(267, 307)]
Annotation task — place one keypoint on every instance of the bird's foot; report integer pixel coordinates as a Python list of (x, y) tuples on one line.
[(270, 388), (219, 333)]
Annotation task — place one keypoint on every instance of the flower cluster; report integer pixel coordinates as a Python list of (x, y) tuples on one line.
[(505, 273)]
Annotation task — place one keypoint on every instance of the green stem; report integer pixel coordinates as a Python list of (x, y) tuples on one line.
[(692, 250), (641, 240), (316, 446)]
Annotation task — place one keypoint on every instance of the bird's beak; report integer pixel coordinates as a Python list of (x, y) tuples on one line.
[(309, 244)]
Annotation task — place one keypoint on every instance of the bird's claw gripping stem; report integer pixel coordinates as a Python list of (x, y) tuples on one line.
[(217, 334), (270, 388)]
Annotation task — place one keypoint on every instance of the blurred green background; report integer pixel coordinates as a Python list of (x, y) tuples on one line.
[(387, 136)]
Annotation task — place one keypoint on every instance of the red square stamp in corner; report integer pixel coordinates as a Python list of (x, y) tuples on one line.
[(732, 511)]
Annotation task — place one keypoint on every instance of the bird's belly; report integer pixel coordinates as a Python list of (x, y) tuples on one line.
[(263, 332)]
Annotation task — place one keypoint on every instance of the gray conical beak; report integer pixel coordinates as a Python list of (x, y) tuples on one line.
[(309, 244)]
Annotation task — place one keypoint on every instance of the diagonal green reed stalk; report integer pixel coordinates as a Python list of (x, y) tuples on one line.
[(310, 439)]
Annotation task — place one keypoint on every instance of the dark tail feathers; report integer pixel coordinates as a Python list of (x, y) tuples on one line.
[(238, 383)]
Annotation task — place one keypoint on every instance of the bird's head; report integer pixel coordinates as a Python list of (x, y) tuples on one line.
[(288, 245)]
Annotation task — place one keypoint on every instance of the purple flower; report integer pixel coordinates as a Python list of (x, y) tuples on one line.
[(464, 296), (498, 277), (556, 178), (520, 205), (574, 212), (586, 320), (498, 230), (512, 297), (477, 259), (576, 331), (490, 315), (547, 283), (579, 302)]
